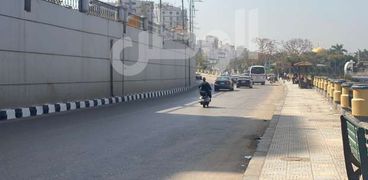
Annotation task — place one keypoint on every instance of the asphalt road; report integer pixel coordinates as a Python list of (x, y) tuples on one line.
[(167, 138)]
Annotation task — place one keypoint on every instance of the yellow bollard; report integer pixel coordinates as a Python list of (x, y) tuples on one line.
[(337, 91), (328, 88), (325, 85), (321, 83), (359, 103), (317, 82), (344, 98), (332, 87)]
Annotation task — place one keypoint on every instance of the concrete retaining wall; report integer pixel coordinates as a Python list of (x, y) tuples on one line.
[(54, 54)]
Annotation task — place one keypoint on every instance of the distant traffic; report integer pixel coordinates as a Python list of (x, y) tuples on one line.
[(228, 81)]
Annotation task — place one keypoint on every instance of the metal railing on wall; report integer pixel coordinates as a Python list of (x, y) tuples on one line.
[(104, 10), (111, 12), (72, 4)]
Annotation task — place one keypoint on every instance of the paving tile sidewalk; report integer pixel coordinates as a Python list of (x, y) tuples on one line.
[(306, 143)]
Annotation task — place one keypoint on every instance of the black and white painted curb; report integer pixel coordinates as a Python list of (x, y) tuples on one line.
[(7, 114)]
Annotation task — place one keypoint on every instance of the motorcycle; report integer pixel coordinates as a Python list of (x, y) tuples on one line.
[(272, 80), (204, 99)]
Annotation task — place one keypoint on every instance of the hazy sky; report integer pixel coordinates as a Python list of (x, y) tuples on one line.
[(325, 22)]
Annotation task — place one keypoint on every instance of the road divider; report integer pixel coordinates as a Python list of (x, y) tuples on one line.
[(16, 113)]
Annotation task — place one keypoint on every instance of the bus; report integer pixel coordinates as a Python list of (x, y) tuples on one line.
[(258, 74)]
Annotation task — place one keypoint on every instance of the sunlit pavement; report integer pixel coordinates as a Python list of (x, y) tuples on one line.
[(307, 141), (167, 138)]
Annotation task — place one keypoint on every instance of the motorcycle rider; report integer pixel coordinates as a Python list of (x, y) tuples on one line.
[(206, 87)]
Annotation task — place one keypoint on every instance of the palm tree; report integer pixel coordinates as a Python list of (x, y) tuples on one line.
[(361, 55), (338, 49), (338, 58)]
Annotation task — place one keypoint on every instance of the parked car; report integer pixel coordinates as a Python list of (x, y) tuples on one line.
[(234, 78), (244, 81), (198, 76), (224, 82)]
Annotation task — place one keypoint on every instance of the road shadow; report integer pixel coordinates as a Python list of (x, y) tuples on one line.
[(123, 142)]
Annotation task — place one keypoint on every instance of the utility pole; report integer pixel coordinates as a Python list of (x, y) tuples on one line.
[(190, 15), (192, 10), (182, 14), (161, 23)]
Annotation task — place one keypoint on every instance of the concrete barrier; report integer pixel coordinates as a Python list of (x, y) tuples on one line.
[(325, 86), (24, 112), (345, 95), (337, 91), (359, 103)]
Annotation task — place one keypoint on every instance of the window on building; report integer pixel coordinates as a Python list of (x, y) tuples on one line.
[(27, 5)]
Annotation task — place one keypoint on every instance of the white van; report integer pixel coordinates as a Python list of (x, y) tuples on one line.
[(258, 74)]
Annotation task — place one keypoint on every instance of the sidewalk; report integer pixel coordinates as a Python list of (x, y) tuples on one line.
[(303, 141)]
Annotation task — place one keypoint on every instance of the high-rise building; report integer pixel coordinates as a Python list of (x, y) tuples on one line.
[(140, 8), (218, 54), (172, 17), (145, 9)]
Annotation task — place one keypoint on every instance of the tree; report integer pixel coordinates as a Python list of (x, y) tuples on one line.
[(296, 47), (239, 63), (338, 49), (337, 59), (201, 59), (361, 55), (267, 48)]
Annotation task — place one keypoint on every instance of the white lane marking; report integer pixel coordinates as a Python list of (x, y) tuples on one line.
[(192, 103), (170, 109)]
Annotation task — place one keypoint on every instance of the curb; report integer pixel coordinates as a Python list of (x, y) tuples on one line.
[(255, 165), (17, 113)]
